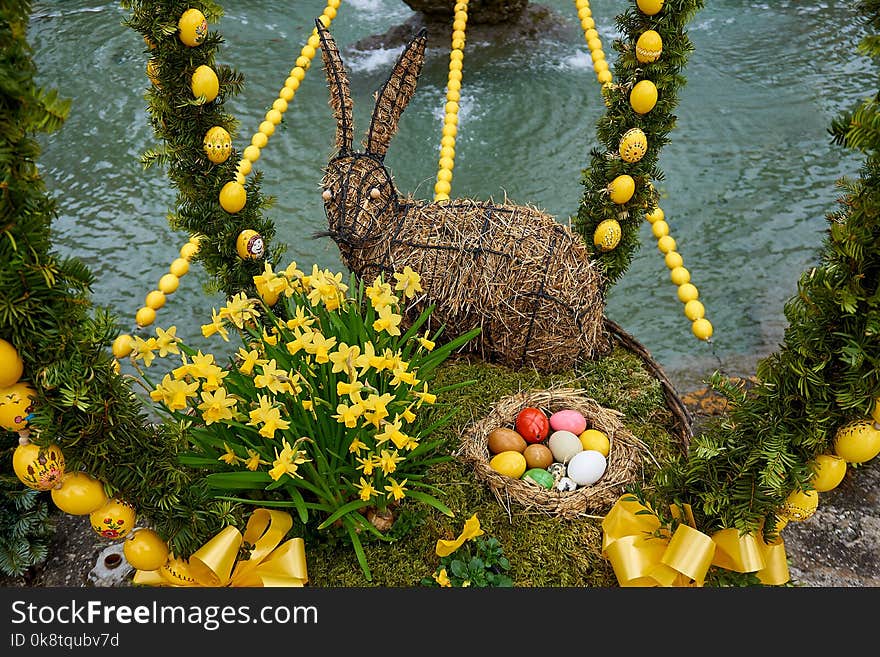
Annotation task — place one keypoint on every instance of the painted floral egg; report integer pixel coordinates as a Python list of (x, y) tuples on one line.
[(568, 420), (113, 520), (40, 468)]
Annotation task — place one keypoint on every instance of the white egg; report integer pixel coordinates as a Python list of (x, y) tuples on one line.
[(587, 467), (564, 445)]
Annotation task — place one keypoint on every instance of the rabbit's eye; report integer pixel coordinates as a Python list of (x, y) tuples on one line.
[(327, 195), (375, 193)]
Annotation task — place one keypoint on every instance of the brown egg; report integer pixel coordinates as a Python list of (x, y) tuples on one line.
[(538, 456), (505, 440)]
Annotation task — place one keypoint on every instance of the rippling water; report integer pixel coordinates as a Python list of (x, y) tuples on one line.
[(750, 172)]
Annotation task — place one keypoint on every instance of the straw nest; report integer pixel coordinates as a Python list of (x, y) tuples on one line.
[(624, 457)]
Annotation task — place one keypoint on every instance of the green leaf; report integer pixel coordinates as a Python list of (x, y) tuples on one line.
[(431, 501), (343, 510), (238, 480)]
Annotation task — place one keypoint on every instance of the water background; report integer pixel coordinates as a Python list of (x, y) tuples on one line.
[(750, 172)]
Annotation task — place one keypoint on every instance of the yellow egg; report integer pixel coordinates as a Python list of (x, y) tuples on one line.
[(633, 145), (193, 28), (169, 283), (687, 292), (604, 76), (250, 245), (660, 228), (233, 197), (694, 310), (179, 267), (595, 440), (11, 364), (702, 328), (666, 244), (649, 46), (145, 550), (188, 250), (621, 189), (176, 571), (122, 346), (829, 471), (217, 144), (259, 140), (155, 299), (650, 7), (680, 276), (204, 82), (607, 235), (114, 519), (643, 97), (800, 505), (40, 468), (16, 403), (79, 494), (656, 214), (673, 259), (858, 441), (511, 464), (145, 316)]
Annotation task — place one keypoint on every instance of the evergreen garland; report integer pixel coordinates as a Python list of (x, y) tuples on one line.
[(606, 163), (25, 527)]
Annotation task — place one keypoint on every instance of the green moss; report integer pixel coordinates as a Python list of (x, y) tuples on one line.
[(543, 550)]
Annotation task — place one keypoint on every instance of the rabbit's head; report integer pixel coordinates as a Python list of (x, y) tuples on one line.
[(360, 198)]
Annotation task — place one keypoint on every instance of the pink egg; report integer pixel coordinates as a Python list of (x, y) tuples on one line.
[(568, 420)]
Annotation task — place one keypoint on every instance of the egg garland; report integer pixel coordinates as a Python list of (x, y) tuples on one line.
[(11, 364), (443, 185), (591, 36)]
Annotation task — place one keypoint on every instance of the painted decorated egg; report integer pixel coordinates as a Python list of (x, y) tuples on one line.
[(587, 467), (607, 235), (800, 505), (511, 464), (113, 520), (11, 364), (40, 468), (858, 441), (649, 47), (217, 144), (250, 245), (193, 28), (177, 572), (532, 424), (564, 445), (540, 477), (633, 145), (568, 420), (16, 404)]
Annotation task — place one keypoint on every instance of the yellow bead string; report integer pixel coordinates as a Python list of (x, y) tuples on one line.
[(233, 195), (600, 66), (453, 96)]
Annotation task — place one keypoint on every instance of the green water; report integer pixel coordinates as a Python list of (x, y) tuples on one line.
[(750, 171)]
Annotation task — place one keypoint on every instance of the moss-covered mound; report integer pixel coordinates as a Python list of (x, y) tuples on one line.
[(542, 550)]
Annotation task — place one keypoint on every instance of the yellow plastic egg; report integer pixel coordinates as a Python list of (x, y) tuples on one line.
[(694, 310), (122, 346), (687, 292), (217, 144), (702, 328), (114, 519), (11, 364), (595, 440), (511, 464), (680, 276), (666, 244), (40, 468), (649, 46), (233, 197), (16, 403), (204, 82), (858, 441), (145, 316), (621, 189), (192, 28), (643, 97), (188, 250), (250, 245), (650, 7), (79, 494), (155, 299), (169, 283), (179, 267), (607, 235), (673, 259), (800, 505), (633, 145), (144, 549), (656, 214), (660, 228), (828, 472)]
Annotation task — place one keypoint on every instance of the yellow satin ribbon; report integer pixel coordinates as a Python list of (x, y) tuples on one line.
[(643, 554), (217, 562)]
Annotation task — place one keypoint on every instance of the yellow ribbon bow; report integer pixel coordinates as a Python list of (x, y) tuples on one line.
[(643, 555), (217, 563)]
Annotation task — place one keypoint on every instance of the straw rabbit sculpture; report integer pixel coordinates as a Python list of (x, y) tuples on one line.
[(512, 270)]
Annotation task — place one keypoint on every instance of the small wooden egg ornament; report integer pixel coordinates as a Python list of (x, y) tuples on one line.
[(169, 283), (666, 244), (858, 441), (607, 235), (113, 520), (204, 82), (800, 505), (16, 403), (11, 364), (659, 229), (145, 316), (829, 471), (621, 189), (633, 145), (687, 292), (122, 346), (217, 144), (694, 310), (40, 468), (656, 214), (144, 549), (649, 46), (650, 7), (192, 28), (532, 424), (643, 97), (79, 494), (250, 245), (680, 276), (233, 196), (673, 259)]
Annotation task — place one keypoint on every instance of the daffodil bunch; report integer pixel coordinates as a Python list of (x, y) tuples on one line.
[(326, 411)]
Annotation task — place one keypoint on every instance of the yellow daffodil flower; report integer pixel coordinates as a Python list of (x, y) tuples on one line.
[(216, 326), (287, 462), (356, 446), (239, 310), (308, 404), (216, 406), (254, 461), (370, 359), (143, 349), (380, 294), (348, 415), (213, 377), (229, 457), (393, 433), (352, 389), (248, 360), (376, 408), (199, 362), (408, 416), (442, 578), (425, 396), (166, 341), (426, 343), (395, 490), (388, 461), (271, 337), (174, 393), (300, 319), (366, 465), (301, 342), (408, 282), (271, 378), (388, 321), (294, 277), (184, 370), (320, 347), (344, 358), (471, 530), (270, 416), (366, 489), (270, 285)]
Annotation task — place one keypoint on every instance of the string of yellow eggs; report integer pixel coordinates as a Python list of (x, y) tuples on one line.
[(233, 195), (591, 35), (443, 186), (632, 147)]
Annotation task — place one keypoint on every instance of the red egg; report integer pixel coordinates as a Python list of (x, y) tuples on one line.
[(532, 424)]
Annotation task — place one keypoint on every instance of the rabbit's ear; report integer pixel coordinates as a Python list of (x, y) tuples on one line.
[(340, 91), (395, 95)]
